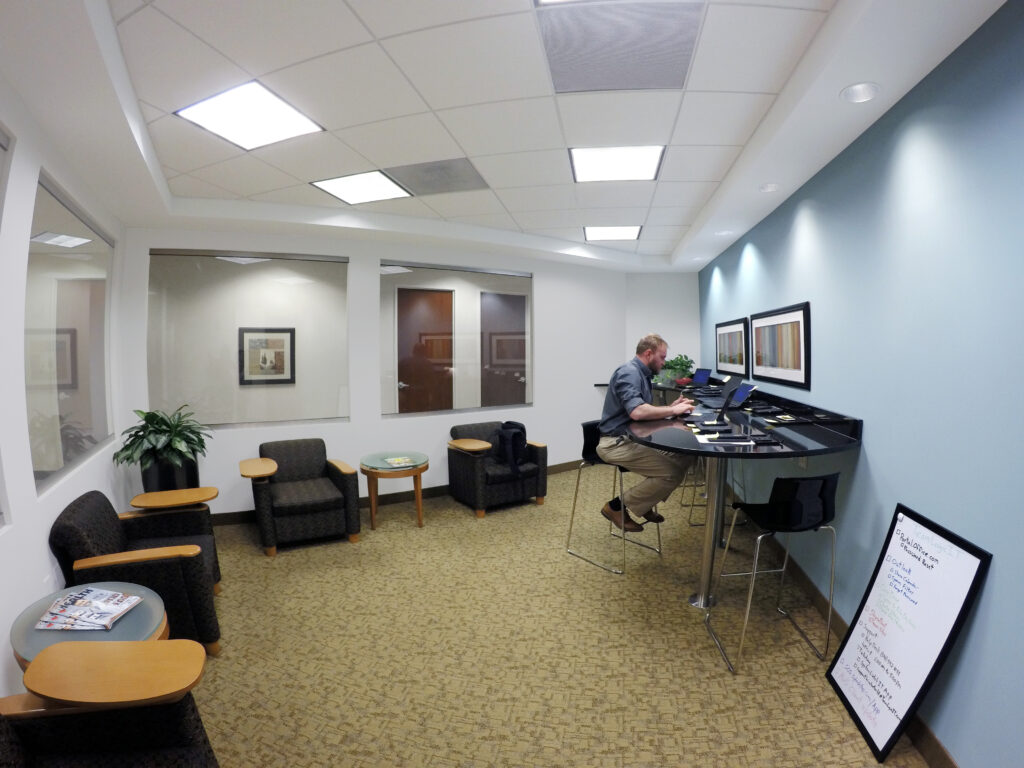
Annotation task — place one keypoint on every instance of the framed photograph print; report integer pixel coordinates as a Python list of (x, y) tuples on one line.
[(266, 355), (508, 349), (51, 358), (731, 348), (781, 345), (439, 347)]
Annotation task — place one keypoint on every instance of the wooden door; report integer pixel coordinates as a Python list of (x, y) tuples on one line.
[(425, 349)]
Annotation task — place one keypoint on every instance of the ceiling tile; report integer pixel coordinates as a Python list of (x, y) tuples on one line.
[(170, 67), (633, 118), (264, 35), (612, 217), (397, 16), (245, 175), (560, 196), (550, 219), (720, 118), (614, 194), (314, 157), (360, 85), (750, 48), (300, 194), (438, 177), (525, 169), (683, 193), (511, 126), (185, 146), (402, 206), (697, 163), (189, 186), (672, 216), (464, 203), (573, 234), (654, 232), (507, 61), (619, 46), (402, 141), (655, 247), (814, 5)]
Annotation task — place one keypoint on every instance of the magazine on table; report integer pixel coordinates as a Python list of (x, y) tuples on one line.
[(400, 461), (87, 608)]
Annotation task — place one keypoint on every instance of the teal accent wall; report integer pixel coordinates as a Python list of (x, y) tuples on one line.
[(910, 248)]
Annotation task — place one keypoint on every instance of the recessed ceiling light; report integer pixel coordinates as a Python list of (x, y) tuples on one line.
[(859, 92), (241, 259), (615, 163), (770, 187), (249, 116), (64, 241), (611, 233), (362, 188), (393, 269)]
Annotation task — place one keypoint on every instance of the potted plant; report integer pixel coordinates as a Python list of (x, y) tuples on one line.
[(676, 371), (165, 446)]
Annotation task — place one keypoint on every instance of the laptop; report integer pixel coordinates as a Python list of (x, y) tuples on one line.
[(734, 399), (701, 377)]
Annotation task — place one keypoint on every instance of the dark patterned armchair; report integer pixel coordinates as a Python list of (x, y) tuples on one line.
[(478, 479), (172, 551), (299, 494)]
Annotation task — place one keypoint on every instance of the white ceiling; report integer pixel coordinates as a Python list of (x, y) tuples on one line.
[(398, 82)]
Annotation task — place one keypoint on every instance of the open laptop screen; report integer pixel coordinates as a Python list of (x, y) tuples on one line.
[(701, 376)]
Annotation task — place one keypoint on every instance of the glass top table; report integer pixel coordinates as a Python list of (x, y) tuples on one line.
[(391, 465)]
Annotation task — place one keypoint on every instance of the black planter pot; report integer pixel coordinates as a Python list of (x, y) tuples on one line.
[(164, 476)]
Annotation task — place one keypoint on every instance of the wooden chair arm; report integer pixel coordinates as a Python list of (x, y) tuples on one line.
[(135, 514), (536, 445), (22, 706), (116, 674), (137, 556), (256, 468), (344, 468), (469, 445), (180, 497)]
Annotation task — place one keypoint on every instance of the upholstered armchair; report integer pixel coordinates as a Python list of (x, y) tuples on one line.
[(106, 712), (172, 551), (478, 479), (299, 494)]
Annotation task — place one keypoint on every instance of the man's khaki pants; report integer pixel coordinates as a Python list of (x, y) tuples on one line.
[(662, 471)]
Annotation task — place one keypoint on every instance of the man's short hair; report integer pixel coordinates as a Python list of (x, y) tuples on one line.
[(651, 341)]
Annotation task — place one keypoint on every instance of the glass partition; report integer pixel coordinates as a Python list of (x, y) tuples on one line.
[(453, 339), (248, 337), (65, 336)]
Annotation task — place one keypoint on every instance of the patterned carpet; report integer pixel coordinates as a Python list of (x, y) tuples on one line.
[(482, 643)]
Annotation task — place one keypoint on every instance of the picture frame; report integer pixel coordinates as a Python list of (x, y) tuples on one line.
[(731, 355), (916, 603), (51, 358), (266, 356), (780, 343), (439, 347), (508, 350)]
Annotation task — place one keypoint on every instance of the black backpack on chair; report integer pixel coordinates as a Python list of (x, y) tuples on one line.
[(509, 441)]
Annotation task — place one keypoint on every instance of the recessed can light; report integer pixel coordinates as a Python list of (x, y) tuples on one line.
[(859, 92)]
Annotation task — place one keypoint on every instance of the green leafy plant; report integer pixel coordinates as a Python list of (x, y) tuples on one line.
[(680, 366), (162, 437)]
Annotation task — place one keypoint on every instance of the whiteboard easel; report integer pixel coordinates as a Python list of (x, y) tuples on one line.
[(924, 583)]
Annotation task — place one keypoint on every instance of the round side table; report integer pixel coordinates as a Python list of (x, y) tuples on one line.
[(391, 465)]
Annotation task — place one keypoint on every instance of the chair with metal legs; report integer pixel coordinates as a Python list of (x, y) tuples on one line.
[(796, 504), (591, 437), (694, 479)]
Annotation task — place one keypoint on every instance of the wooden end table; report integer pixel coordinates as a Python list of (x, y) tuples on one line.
[(385, 465)]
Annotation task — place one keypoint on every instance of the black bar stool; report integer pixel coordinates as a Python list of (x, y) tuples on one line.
[(796, 504), (591, 437)]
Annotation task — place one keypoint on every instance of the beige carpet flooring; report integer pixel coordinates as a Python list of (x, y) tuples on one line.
[(482, 643)]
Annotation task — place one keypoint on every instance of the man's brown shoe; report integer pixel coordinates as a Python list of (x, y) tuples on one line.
[(616, 518), (654, 516)]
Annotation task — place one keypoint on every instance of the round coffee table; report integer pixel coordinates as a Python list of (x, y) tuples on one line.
[(146, 621), (391, 465)]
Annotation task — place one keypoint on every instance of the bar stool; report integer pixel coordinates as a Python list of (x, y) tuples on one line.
[(796, 504), (590, 458), (695, 478)]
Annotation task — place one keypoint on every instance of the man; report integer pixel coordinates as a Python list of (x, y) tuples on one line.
[(629, 399)]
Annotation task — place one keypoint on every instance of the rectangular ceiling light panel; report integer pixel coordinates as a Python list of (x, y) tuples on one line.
[(615, 163), (611, 233), (362, 188), (249, 116)]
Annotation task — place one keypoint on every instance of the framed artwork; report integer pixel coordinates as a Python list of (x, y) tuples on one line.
[(439, 347), (731, 348), (266, 355), (508, 349), (51, 358), (781, 345)]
